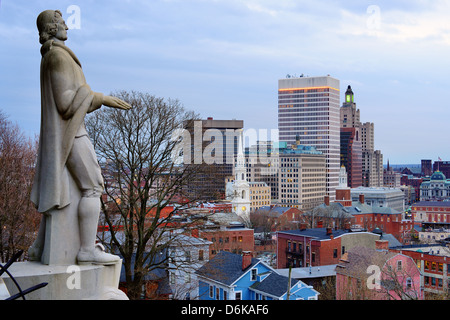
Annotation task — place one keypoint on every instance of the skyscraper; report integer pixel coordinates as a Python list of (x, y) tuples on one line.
[(302, 176), (214, 146), (351, 155), (308, 107), (370, 161)]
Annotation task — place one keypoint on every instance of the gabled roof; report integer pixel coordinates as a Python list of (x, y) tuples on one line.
[(274, 284), (225, 267), (356, 260), (392, 241), (337, 210)]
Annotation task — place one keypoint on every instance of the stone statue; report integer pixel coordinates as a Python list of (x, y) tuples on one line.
[(65, 150)]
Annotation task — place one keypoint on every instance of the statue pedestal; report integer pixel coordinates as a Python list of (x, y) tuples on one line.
[(72, 282), (56, 263)]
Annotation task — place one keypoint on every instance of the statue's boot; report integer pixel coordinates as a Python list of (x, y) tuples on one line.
[(97, 256)]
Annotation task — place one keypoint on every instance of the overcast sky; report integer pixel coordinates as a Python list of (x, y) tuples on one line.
[(223, 59)]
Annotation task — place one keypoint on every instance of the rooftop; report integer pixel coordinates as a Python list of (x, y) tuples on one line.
[(316, 233), (432, 249), (284, 149), (375, 190), (225, 267), (438, 176), (431, 204), (310, 272)]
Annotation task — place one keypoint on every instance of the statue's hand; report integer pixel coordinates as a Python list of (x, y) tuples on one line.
[(114, 102)]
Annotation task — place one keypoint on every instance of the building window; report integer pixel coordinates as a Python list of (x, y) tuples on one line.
[(254, 272), (187, 256), (399, 266), (238, 295), (200, 255), (211, 291), (408, 283), (335, 253)]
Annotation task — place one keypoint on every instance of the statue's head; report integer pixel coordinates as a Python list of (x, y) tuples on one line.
[(50, 24)]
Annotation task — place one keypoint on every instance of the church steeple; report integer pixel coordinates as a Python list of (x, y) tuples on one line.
[(241, 188), (240, 169)]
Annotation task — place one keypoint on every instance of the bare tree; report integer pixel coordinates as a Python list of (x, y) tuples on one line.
[(396, 276), (142, 180), (264, 220), (18, 217), (332, 216)]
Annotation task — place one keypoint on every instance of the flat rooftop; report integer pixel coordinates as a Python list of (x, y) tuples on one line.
[(307, 272)]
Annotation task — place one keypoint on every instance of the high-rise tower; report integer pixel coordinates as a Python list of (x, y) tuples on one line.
[(308, 107), (364, 164)]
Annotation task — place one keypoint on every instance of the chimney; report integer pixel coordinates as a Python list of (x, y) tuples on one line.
[(246, 259), (361, 198), (381, 245), (329, 231), (303, 226), (195, 233), (327, 200)]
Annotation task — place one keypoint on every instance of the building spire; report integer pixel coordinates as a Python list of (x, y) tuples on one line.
[(349, 97), (241, 143)]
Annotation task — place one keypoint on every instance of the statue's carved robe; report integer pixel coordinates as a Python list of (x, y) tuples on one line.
[(65, 100)]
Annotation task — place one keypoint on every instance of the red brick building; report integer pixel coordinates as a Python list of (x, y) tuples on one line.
[(415, 182), (431, 211), (234, 238), (433, 261), (318, 246), (360, 215)]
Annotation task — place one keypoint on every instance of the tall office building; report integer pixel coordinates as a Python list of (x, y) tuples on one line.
[(351, 155), (302, 176), (262, 162), (370, 160), (214, 146), (426, 167), (308, 107)]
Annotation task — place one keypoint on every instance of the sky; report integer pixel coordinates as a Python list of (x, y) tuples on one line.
[(223, 59)]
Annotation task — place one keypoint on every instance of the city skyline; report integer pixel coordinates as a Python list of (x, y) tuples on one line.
[(224, 58)]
